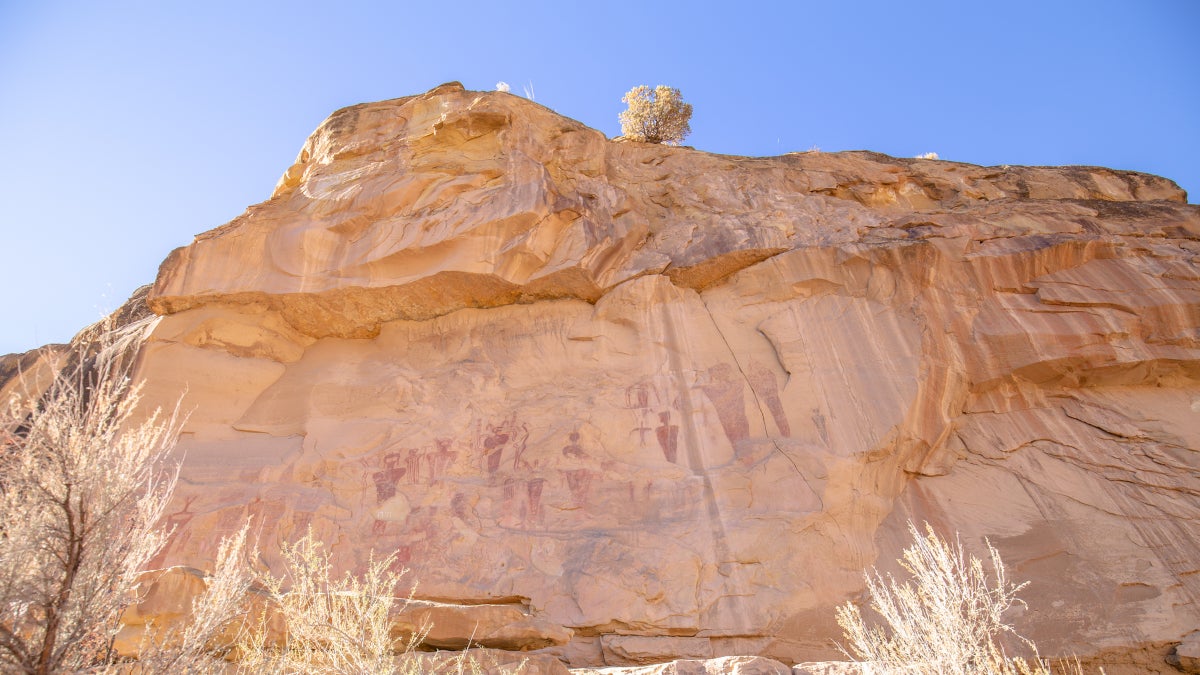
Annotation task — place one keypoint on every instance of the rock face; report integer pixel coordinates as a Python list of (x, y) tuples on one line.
[(27, 376), (1186, 655), (666, 404)]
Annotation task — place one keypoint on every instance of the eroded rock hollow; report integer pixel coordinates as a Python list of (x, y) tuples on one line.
[(638, 403)]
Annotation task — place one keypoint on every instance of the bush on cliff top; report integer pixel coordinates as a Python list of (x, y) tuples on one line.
[(658, 116)]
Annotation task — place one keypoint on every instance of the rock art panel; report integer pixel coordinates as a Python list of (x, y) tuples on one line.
[(673, 403)]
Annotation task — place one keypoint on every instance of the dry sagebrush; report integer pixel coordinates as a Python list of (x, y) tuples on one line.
[(200, 643), (656, 116), (320, 622), (85, 478), (948, 620), (82, 488)]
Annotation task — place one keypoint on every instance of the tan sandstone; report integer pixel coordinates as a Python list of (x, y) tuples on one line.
[(666, 404)]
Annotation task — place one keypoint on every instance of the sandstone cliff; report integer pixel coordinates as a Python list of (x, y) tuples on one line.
[(629, 403)]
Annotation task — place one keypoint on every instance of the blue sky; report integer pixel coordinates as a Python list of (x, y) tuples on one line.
[(129, 127)]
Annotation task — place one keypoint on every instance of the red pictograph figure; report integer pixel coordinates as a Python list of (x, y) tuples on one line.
[(574, 449), (533, 490), (762, 381), (520, 436), (668, 436), (182, 517), (441, 459), (493, 447), (176, 524), (412, 466), (579, 482), (726, 389), (386, 479), (507, 435), (460, 506), (642, 397), (579, 478)]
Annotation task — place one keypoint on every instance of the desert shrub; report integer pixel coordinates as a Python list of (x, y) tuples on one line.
[(308, 620), (83, 485), (658, 116), (948, 620), (85, 478), (199, 643), (320, 622)]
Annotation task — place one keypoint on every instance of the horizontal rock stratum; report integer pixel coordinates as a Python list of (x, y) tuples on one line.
[(664, 404)]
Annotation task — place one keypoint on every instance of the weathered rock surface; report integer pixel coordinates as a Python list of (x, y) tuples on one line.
[(166, 597), (484, 662), (1186, 655), (727, 665), (27, 376), (827, 668), (670, 403)]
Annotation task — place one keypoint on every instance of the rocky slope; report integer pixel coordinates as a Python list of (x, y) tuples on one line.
[(628, 403)]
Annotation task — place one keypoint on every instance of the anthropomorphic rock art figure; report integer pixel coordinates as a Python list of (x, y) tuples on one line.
[(176, 525), (725, 388), (576, 469), (668, 436), (573, 448), (520, 436), (654, 406), (441, 459), (533, 492), (579, 483), (819, 422), (507, 436), (412, 466), (644, 398), (493, 447), (386, 478), (460, 506), (762, 381)]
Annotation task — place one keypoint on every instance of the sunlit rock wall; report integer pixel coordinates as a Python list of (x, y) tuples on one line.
[(665, 404)]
